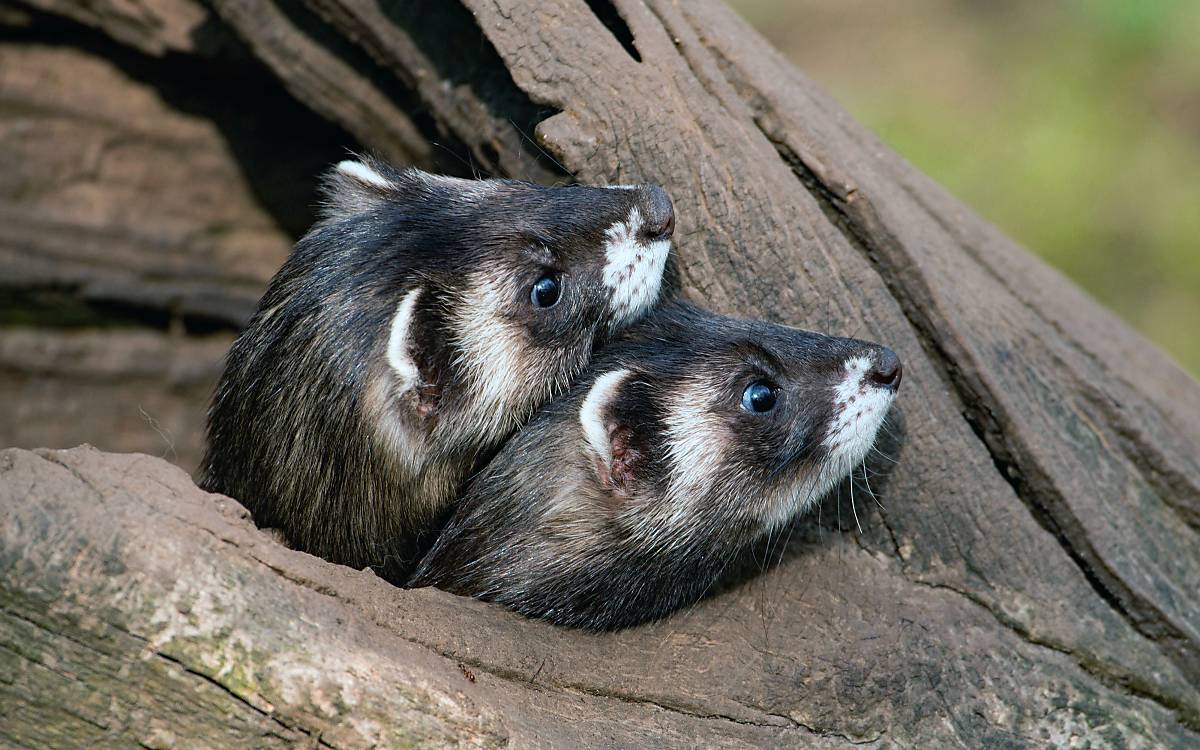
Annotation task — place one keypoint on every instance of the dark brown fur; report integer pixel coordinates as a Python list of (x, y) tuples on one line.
[(628, 498), (400, 342)]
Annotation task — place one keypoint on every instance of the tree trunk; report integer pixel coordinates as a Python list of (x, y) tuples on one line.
[(1034, 579)]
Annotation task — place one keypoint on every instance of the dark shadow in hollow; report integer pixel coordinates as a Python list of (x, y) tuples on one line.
[(462, 56), (450, 156), (280, 145), (67, 307)]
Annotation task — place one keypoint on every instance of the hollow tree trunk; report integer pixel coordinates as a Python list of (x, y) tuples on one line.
[(1034, 579)]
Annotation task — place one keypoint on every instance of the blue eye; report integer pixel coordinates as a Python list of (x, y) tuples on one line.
[(759, 397), (545, 292)]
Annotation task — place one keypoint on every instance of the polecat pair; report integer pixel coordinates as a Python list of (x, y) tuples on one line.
[(407, 335), (689, 439), (427, 318)]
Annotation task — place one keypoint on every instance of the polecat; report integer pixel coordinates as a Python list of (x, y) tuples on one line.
[(690, 438), (419, 323)]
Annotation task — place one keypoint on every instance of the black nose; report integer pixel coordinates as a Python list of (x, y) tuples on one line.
[(888, 370), (658, 214)]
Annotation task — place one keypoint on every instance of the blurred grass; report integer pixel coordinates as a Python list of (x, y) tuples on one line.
[(1074, 126)]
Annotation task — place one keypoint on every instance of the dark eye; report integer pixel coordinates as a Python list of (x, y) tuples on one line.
[(545, 292), (759, 397)]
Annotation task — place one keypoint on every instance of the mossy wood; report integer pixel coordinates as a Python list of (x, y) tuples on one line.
[(1031, 578)]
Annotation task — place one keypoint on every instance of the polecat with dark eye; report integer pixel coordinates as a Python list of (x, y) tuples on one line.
[(689, 439), (419, 323)]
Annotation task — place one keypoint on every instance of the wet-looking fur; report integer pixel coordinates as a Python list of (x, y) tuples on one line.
[(404, 338), (627, 498)]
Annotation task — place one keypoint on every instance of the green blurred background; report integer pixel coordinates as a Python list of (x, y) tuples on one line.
[(1074, 126)]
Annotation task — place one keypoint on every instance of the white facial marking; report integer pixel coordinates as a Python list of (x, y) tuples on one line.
[(695, 435), (859, 409), (489, 351), (398, 356), (633, 269), (363, 173), (591, 414)]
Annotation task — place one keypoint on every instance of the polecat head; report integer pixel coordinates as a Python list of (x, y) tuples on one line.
[(693, 436), (411, 330), (701, 410), (515, 281)]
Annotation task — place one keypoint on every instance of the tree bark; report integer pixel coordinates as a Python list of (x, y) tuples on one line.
[(1034, 579)]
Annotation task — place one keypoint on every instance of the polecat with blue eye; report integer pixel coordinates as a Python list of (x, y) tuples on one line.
[(419, 323), (689, 439)]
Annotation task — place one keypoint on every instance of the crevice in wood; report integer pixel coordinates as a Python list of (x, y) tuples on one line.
[(1173, 486), (843, 206), (608, 15), (973, 405), (209, 680), (1035, 490), (58, 307), (1128, 683), (286, 731), (1178, 491), (508, 675), (314, 28), (76, 307), (339, 81), (466, 93)]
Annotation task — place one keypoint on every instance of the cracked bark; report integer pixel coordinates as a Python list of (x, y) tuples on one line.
[(1033, 578)]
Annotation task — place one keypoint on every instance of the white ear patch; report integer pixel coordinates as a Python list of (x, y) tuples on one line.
[(633, 269), (591, 414), (398, 356), (363, 173)]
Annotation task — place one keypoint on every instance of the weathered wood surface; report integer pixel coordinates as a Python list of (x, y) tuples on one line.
[(141, 198), (1034, 578)]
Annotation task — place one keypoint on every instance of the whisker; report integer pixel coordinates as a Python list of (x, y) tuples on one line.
[(851, 474), (766, 563), (870, 491), (852, 508), (883, 455), (468, 164), (884, 427), (538, 146)]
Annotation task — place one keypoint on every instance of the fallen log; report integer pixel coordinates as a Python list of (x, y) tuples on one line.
[(1034, 579)]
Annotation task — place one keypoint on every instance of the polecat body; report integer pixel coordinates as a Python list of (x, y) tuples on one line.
[(690, 438), (411, 331)]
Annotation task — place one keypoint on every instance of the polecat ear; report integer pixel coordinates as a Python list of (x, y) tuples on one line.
[(403, 357), (356, 185), (609, 440)]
